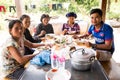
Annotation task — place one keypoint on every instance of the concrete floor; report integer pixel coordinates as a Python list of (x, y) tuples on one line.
[(116, 54)]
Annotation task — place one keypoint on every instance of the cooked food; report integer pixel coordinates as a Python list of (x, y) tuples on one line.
[(72, 48)]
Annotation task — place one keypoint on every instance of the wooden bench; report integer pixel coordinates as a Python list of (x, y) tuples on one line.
[(112, 69)]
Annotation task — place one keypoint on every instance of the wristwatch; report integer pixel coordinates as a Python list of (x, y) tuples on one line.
[(94, 45)]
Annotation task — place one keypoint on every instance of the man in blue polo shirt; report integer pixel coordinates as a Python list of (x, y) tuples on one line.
[(103, 34)]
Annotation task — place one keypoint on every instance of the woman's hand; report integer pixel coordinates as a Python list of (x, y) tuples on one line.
[(64, 32), (43, 32), (75, 36)]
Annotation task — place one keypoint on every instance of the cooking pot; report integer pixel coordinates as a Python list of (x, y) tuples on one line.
[(82, 58)]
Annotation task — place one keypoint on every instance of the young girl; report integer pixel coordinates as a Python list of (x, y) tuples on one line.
[(26, 24), (12, 55)]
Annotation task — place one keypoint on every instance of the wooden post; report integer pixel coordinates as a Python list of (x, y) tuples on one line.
[(103, 7), (19, 9)]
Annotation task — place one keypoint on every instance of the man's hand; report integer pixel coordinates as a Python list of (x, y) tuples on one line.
[(88, 44)]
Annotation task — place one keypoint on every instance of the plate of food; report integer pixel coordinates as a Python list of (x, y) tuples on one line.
[(50, 36), (41, 48), (58, 75)]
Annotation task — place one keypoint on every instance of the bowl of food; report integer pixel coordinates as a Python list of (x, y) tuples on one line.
[(71, 32), (58, 75)]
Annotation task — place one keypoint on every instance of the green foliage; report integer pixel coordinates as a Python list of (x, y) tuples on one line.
[(113, 15), (60, 0), (88, 4), (73, 8), (80, 1), (79, 6), (114, 11), (45, 9), (61, 11)]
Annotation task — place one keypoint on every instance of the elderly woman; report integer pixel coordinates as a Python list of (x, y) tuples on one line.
[(71, 27), (12, 56), (44, 27)]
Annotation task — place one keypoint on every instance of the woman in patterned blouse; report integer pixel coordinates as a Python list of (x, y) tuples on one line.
[(71, 27)]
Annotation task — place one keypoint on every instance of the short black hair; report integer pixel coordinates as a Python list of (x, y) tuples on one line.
[(44, 16), (71, 14), (11, 23), (96, 10), (24, 16)]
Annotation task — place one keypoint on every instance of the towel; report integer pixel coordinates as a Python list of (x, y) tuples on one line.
[(42, 58)]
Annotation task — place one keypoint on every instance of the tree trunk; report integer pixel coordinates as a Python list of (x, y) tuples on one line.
[(109, 3), (116, 1), (103, 7)]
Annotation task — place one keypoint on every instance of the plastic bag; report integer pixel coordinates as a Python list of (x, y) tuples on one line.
[(42, 58)]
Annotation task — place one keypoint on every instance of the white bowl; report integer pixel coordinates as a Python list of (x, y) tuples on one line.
[(58, 75)]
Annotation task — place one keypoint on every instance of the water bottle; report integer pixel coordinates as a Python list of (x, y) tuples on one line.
[(54, 62), (61, 60)]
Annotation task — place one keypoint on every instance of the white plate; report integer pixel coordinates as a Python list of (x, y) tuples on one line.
[(71, 32), (58, 75), (50, 34)]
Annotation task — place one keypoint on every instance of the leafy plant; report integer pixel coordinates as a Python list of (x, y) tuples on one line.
[(114, 12), (88, 4), (45, 9), (113, 15), (73, 8)]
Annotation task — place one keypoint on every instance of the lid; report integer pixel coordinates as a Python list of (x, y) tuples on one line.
[(83, 54)]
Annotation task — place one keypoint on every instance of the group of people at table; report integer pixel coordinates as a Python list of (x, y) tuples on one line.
[(17, 51)]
